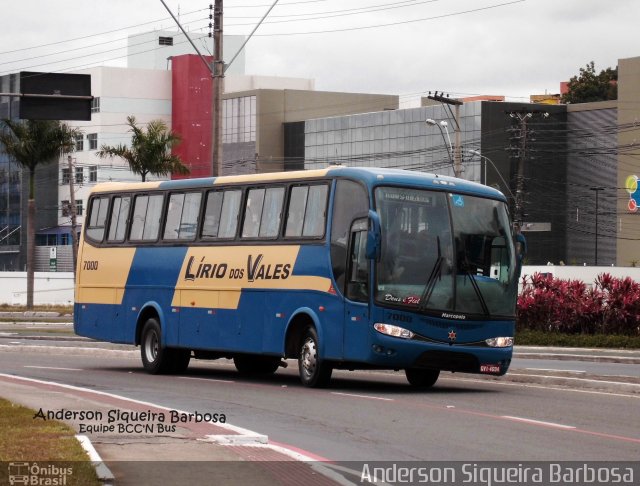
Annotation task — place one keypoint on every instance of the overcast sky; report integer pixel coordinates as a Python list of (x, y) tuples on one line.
[(461, 47)]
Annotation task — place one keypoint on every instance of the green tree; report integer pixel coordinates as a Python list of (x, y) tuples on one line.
[(589, 86), (31, 143), (150, 151)]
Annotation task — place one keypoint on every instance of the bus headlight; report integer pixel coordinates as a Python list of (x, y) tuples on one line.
[(499, 342), (395, 331)]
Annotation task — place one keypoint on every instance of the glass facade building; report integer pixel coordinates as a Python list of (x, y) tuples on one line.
[(397, 139), (10, 185), (239, 135)]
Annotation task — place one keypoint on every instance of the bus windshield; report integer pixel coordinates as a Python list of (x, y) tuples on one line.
[(445, 253)]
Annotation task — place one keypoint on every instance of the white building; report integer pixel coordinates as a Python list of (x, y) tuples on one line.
[(118, 93), (153, 50)]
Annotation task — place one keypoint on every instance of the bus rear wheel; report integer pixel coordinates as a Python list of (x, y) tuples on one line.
[(256, 365), (314, 372), (157, 359), (421, 378)]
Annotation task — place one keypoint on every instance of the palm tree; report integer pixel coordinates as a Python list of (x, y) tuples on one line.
[(31, 143), (150, 151)]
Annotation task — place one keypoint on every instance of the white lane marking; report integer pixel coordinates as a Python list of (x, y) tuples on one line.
[(204, 379), (557, 371), (538, 422), (363, 396), (52, 368)]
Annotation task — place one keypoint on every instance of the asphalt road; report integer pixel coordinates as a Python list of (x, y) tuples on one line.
[(367, 416)]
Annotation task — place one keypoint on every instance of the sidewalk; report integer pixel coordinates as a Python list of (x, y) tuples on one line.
[(141, 443)]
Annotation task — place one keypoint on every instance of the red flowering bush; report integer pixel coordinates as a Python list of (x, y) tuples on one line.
[(611, 306)]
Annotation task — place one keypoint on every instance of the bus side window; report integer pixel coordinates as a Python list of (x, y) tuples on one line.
[(297, 207), (252, 213), (97, 218), (221, 214), (316, 214), (271, 212), (182, 216), (358, 284), (147, 211), (119, 215), (350, 200)]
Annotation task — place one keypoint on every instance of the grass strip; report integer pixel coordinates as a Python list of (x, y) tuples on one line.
[(526, 337), (24, 439)]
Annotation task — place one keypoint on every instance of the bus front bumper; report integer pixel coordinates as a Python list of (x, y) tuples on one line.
[(389, 352)]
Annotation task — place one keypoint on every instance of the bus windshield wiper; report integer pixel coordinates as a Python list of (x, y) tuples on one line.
[(474, 284), (433, 277)]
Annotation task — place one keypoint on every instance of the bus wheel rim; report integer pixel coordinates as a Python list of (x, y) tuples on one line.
[(151, 346), (309, 361)]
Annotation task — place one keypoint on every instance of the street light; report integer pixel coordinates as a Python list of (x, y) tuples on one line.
[(432, 122), (597, 190), (487, 159)]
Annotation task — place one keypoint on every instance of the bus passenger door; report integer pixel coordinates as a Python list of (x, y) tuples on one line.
[(356, 308)]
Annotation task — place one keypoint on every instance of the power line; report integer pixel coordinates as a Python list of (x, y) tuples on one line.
[(404, 22)]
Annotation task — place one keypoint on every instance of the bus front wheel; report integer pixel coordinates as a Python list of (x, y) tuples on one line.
[(420, 378), (157, 359), (314, 372)]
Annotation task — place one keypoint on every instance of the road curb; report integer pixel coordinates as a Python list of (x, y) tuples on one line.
[(582, 383), (105, 476), (578, 357)]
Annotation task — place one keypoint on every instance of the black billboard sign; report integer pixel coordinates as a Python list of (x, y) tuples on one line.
[(55, 96)]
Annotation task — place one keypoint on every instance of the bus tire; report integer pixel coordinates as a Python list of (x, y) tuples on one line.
[(155, 358), (248, 364), (421, 378), (314, 372)]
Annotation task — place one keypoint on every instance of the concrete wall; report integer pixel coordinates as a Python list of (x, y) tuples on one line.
[(49, 288)]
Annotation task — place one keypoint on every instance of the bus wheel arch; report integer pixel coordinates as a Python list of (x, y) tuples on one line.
[(298, 324), (145, 314)]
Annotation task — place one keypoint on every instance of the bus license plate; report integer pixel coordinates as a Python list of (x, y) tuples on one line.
[(490, 368)]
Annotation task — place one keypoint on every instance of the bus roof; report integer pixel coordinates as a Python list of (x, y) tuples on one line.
[(373, 176)]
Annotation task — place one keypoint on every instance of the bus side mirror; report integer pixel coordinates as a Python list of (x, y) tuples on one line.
[(374, 239)]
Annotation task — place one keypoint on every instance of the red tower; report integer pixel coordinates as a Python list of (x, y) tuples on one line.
[(191, 113)]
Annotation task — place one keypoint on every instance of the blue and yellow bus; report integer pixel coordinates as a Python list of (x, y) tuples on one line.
[(340, 268)]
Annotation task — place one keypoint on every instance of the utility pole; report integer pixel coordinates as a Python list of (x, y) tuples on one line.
[(597, 190), (217, 89), (521, 151), (217, 70), (72, 211), (522, 118), (457, 152)]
